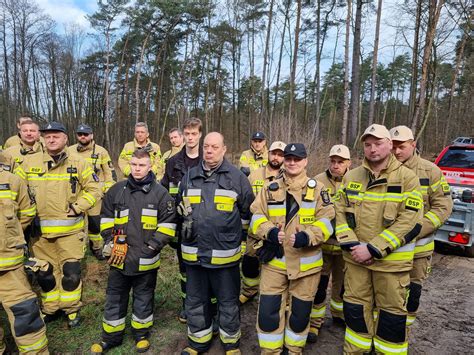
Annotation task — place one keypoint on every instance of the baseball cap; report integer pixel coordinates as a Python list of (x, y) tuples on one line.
[(83, 128), (401, 134), (277, 145), (341, 151), (376, 130), (258, 136), (54, 126), (295, 149)]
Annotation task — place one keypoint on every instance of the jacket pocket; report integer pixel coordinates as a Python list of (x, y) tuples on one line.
[(390, 212)]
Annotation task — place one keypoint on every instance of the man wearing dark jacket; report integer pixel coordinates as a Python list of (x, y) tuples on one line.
[(137, 221), (214, 203)]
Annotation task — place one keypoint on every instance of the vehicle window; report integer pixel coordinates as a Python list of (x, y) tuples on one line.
[(458, 157)]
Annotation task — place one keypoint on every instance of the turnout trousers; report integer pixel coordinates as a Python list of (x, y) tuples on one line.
[(116, 304), (419, 273), (224, 284), (93, 227), (61, 285), (22, 308), (250, 270), (333, 266), (375, 310), (274, 326)]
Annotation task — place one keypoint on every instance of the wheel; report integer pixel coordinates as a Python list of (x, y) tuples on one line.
[(469, 251)]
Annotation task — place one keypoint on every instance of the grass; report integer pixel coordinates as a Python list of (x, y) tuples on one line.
[(166, 330)]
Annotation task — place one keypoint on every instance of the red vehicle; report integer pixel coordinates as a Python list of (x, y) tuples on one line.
[(457, 163)]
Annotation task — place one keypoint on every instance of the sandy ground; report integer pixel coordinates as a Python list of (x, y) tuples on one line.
[(445, 324)]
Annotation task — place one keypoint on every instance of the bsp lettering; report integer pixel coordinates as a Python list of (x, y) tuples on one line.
[(411, 202), (355, 186)]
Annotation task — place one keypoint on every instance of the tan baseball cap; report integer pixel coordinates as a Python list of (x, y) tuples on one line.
[(277, 145), (376, 130), (341, 151), (401, 134)]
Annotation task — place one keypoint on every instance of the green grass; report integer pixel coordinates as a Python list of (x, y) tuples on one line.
[(166, 330)]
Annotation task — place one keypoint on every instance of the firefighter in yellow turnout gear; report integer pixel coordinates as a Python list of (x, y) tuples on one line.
[(438, 205), (256, 156), (17, 298), (64, 187), (291, 218), (250, 263), (100, 160), (333, 262), (379, 209)]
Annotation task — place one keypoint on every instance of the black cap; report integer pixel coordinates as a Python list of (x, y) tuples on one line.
[(83, 128), (54, 126), (258, 136), (296, 150)]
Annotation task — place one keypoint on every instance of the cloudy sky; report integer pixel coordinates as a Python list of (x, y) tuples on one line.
[(68, 11)]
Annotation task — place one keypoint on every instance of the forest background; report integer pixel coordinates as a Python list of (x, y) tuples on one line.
[(316, 71)]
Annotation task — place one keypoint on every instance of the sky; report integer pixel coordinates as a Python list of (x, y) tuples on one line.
[(65, 12)]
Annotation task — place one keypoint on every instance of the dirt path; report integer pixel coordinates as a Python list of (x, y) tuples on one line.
[(445, 324)]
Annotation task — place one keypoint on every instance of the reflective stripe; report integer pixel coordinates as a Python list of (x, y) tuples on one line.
[(410, 320), (336, 305), (201, 337), (311, 262), (95, 237), (138, 323), (149, 212), (121, 217), (220, 257), (167, 228), (228, 193), (294, 339), (256, 221), (106, 223), (91, 199), (433, 218), (276, 210), (60, 226), (72, 296), (149, 263), (425, 240), (270, 341), (251, 282), (50, 296), (29, 212), (424, 245), (357, 340), (227, 338), (389, 348), (307, 208), (7, 262), (8, 194), (112, 326), (341, 228), (35, 346), (405, 252), (194, 195), (189, 253), (278, 263), (318, 312), (331, 248), (391, 238), (326, 227)]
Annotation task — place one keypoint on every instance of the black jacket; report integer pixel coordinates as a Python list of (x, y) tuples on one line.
[(220, 213), (146, 213)]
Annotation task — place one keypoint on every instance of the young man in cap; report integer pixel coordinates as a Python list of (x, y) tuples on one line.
[(258, 178), (256, 156), (378, 216), (333, 263), (292, 219), (177, 142), (438, 206), (64, 187), (99, 158)]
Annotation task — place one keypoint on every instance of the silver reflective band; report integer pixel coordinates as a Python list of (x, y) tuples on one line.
[(149, 212), (228, 193), (114, 323), (225, 253), (60, 223), (311, 259), (120, 214), (405, 248), (194, 192), (146, 261), (424, 241), (189, 250), (146, 320)]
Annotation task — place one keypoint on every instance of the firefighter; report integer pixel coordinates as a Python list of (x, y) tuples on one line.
[(17, 298), (141, 141), (215, 200), (378, 216), (137, 221), (16, 139), (292, 218), (29, 143), (64, 187), (333, 263), (438, 205), (99, 158), (176, 168), (177, 143), (250, 263), (256, 156)]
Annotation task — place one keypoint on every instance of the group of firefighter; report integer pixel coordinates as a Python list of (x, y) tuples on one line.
[(264, 228)]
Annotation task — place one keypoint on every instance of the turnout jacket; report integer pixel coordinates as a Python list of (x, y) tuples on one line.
[(311, 214), (57, 186), (146, 214), (259, 177), (16, 154), (332, 183), (16, 212), (384, 212), (252, 160), (155, 155), (220, 215), (437, 200)]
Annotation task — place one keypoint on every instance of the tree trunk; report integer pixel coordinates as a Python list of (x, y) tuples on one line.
[(291, 108), (355, 75), (374, 64), (345, 114)]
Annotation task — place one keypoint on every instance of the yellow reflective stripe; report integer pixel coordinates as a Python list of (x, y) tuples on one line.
[(256, 221), (424, 248), (194, 199), (294, 339), (220, 257), (251, 282), (224, 199), (227, 338), (113, 326), (20, 172), (146, 264), (341, 228), (95, 237), (7, 262), (106, 223), (410, 320), (270, 341), (50, 177), (311, 262), (8, 194), (72, 296), (149, 222), (358, 340), (318, 312), (167, 228), (326, 227), (30, 212), (435, 186), (50, 296), (276, 210), (390, 348), (189, 253), (121, 220), (89, 198), (278, 263), (391, 238), (137, 325), (433, 218), (61, 226), (87, 172), (336, 305), (202, 336), (405, 252), (173, 190), (35, 346)]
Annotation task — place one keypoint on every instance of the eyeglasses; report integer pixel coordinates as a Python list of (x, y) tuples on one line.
[(83, 134)]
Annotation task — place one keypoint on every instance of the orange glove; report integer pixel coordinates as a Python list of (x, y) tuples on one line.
[(119, 251)]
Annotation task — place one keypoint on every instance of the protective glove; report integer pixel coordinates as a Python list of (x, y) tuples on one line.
[(119, 250), (148, 148), (185, 211), (301, 240), (107, 249), (270, 248), (36, 265)]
